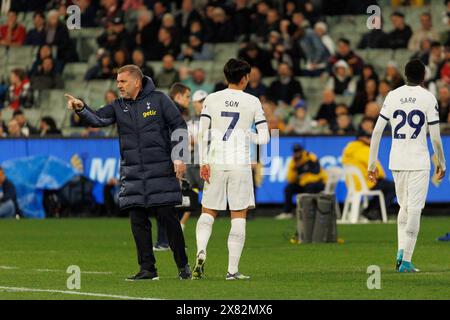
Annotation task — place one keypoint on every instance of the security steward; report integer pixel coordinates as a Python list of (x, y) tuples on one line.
[(149, 173)]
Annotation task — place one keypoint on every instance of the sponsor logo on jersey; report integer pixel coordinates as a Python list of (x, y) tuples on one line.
[(149, 113)]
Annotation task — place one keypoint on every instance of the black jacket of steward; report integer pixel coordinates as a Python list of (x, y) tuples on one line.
[(144, 125)]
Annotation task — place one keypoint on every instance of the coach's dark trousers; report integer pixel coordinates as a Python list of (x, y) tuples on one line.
[(142, 232)]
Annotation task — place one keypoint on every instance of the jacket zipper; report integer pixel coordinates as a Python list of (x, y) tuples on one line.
[(139, 149)]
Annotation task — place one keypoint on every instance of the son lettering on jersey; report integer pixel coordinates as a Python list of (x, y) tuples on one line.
[(407, 100), (231, 104)]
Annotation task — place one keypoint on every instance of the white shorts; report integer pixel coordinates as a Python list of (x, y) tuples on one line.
[(232, 187), (411, 188)]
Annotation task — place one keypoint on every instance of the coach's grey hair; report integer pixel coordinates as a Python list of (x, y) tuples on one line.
[(134, 70)]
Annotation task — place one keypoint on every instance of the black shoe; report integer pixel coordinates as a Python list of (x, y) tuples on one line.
[(185, 273), (144, 275)]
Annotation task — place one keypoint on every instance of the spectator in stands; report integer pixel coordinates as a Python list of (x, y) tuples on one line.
[(102, 70), (88, 13), (300, 122), (3, 94), (309, 8), (115, 36), (321, 30), (304, 175), (326, 114), (444, 104), (196, 29), (25, 128), (317, 54), (185, 17), (443, 73), (9, 208), (368, 72), (138, 59), (109, 10), (14, 129), (168, 74), (372, 110), (399, 37), (221, 85), (120, 59), (383, 89), (341, 80), (45, 51), (356, 153), (133, 5), (271, 23), (285, 87), (57, 34), (426, 31), (168, 22), (344, 52), (362, 98), (46, 77), (47, 127), (219, 27), (36, 36), (20, 94), (433, 58), (3, 133), (257, 57), (259, 17), (159, 10), (376, 38), (165, 45), (75, 121), (196, 50), (343, 125), (12, 34), (279, 49), (242, 19), (197, 81), (393, 75), (255, 86), (145, 32)]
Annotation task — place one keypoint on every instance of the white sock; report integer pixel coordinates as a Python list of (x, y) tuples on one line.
[(236, 240), (402, 220), (203, 231), (182, 226), (411, 232)]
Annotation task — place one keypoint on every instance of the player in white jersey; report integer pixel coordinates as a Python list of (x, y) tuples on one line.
[(410, 110), (226, 120)]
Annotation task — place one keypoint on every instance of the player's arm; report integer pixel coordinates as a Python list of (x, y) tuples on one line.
[(100, 118), (435, 137), (262, 136), (202, 138), (374, 147)]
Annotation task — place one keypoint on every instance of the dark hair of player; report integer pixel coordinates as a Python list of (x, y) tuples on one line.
[(177, 88), (235, 70), (415, 72)]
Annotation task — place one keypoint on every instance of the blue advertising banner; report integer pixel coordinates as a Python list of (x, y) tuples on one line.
[(99, 160)]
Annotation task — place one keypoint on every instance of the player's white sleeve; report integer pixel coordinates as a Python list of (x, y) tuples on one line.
[(262, 136), (435, 136), (203, 130), (375, 142)]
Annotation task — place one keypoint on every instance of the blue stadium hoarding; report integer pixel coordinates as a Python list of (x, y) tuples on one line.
[(99, 160)]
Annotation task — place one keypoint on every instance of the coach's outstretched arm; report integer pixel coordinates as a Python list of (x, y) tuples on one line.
[(374, 146), (436, 142), (101, 118)]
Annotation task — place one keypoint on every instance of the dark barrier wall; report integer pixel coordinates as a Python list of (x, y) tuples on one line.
[(99, 160)]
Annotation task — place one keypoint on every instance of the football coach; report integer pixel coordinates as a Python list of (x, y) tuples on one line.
[(149, 173)]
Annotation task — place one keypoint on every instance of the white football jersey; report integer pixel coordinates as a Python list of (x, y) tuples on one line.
[(410, 110), (232, 114)]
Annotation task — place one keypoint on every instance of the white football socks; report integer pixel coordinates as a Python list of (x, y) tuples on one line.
[(411, 232), (236, 240), (203, 232), (402, 220)]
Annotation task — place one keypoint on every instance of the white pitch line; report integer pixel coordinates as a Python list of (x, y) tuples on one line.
[(103, 295), (8, 268)]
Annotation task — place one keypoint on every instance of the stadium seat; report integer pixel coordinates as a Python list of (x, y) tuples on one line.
[(353, 199), (74, 71), (22, 57)]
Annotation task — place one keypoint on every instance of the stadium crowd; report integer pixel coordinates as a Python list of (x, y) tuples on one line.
[(282, 40)]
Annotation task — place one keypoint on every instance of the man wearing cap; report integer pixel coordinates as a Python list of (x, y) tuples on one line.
[(304, 175), (356, 153), (115, 35)]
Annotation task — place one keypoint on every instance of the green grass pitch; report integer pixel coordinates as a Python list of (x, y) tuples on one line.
[(35, 254)]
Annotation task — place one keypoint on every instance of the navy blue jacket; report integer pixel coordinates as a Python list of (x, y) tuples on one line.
[(147, 176)]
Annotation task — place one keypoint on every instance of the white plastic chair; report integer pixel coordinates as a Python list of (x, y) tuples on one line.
[(334, 174), (352, 204)]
